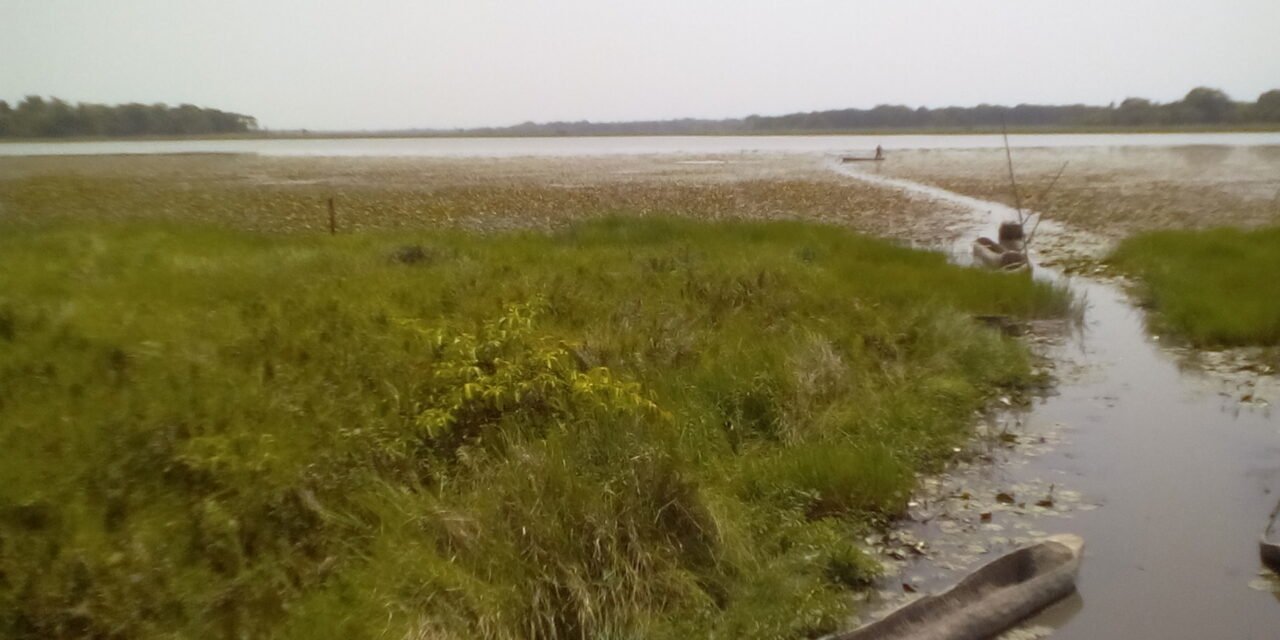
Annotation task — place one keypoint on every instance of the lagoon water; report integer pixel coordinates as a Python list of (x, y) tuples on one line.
[(624, 145)]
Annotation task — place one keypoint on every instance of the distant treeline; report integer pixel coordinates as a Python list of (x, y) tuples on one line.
[(36, 117), (1201, 106)]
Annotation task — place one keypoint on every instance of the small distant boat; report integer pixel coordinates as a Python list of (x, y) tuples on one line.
[(989, 601), (861, 159), (990, 253)]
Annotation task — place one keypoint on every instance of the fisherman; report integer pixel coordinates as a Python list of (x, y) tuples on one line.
[(879, 152)]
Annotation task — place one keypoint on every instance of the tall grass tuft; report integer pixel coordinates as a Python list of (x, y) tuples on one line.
[(1213, 288)]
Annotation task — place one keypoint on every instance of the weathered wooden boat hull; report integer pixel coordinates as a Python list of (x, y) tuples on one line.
[(857, 159), (1269, 552), (988, 601), (986, 255), (989, 254)]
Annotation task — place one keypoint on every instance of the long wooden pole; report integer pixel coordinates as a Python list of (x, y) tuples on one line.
[(1013, 183)]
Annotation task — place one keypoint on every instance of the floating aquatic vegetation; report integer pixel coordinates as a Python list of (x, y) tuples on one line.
[(290, 194)]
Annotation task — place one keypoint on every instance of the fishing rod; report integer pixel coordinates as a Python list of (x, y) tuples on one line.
[(1027, 243)]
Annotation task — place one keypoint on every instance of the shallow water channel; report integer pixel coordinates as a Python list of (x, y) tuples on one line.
[(1169, 473)]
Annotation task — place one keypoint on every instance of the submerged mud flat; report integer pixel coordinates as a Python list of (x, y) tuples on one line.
[(286, 195), (1174, 478), (1116, 190)]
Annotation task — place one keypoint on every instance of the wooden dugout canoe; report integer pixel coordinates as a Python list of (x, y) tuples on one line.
[(990, 253), (1268, 547), (989, 601), (1269, 552)]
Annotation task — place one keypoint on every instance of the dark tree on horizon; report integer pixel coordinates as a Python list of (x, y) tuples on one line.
[(1200, 107), (36, 117)]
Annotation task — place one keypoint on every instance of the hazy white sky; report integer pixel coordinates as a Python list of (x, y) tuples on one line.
[(356, 64)]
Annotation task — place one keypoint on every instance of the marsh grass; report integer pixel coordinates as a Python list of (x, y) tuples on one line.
[(1213, 288), (627, 428)]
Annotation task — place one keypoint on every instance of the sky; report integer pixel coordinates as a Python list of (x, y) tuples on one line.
[(384, 64)]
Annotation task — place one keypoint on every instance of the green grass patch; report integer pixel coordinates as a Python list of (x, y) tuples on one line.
[(1213, 288), (630, 428)]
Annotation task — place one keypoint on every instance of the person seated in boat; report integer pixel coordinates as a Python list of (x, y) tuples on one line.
[(879, 152)]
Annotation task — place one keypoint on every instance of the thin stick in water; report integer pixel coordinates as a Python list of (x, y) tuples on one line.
[(1049, 188), (333, 219)]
